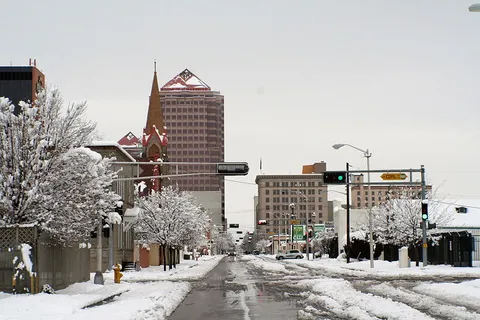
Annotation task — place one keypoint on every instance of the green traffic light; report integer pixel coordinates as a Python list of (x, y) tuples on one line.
[(424, 216), (340, 178)]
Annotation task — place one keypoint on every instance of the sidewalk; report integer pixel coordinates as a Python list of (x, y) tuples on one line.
[(151, 291)]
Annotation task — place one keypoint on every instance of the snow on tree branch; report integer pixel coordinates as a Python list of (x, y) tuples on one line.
[(46, 177), (171, 218)]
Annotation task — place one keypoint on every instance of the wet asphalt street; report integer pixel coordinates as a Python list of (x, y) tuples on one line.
[(241, 290), (230, 291)]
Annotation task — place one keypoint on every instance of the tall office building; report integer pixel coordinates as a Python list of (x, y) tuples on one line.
[(194, 118), (21, 83)]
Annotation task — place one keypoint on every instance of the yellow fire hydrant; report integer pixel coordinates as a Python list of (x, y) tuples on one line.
[(117, 275)]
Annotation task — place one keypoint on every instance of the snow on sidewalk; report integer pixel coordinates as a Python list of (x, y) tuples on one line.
[(155, 296)]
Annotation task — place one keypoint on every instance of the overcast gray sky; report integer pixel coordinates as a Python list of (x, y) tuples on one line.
[(400, 78)]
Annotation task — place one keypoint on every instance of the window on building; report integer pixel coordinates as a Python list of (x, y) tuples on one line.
[(267, 207)]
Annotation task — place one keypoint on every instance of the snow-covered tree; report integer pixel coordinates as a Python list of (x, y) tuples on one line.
[(222, 240), (262, 244), (397, 221), (248, 245), (75, 195), (171, 218), (322, 242), (34, 148)]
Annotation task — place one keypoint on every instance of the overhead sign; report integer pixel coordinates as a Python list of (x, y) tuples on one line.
[(393, 176), (294, 221)]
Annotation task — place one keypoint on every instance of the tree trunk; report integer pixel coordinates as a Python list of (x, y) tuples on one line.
[(164, 249), (170, 258), (175, 257)]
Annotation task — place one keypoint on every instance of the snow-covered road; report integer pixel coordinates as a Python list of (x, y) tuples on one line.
[(323, 292)]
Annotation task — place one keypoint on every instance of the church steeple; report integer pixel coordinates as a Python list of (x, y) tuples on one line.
[(155, 114)]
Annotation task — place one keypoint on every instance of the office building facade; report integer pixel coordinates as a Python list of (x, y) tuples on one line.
[(21, 83), (276, 193), (194, 119)]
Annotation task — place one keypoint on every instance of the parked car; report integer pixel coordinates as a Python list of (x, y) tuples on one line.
[(232, 253), (256, 252), (290, 254)]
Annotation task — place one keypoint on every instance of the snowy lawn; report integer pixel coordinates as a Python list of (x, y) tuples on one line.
[(155, 296)]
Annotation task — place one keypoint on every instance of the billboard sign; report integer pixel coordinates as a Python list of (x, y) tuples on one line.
[(317, 229), (298, 231)]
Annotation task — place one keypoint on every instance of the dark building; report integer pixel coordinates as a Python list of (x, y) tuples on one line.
[(20, 83)]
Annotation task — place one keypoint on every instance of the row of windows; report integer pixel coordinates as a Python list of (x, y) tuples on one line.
[(173, 147), (198, 188), (194, 124), (292, 199), (295, 192), (198, 117), (195, 102), (275, 230), (286, 207), (392, 192), (8, 75), (293, 184), (277, 218)]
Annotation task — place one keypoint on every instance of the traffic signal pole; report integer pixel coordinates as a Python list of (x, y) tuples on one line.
[(424, 224), (348, 215)]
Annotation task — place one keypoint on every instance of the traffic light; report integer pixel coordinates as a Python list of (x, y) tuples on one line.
[(262, 222), (232, 168), (424, 211), (335, 177)]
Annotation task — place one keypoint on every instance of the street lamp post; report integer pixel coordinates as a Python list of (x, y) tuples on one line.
[(474, 7), (292, 207), (367, 155)]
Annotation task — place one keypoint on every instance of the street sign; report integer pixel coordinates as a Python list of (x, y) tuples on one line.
[(271, 232), (294, 221), (393, 176)]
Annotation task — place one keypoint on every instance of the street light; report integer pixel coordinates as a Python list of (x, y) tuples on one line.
[(474, 7), (367, 155)]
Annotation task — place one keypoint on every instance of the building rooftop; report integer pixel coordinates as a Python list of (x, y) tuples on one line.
[(186, 80)]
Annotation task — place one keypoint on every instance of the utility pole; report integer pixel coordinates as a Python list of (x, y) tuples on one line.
[(424, 224), (348, 215), (98, 279)]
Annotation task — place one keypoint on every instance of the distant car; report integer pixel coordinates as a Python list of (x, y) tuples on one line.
[(232, 253), (290, 254), (256, 252)]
